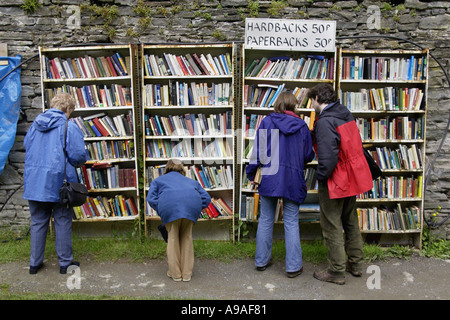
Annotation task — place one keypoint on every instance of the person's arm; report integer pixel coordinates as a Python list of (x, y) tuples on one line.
[(75, 147), (328, 141), (308, 150), (206, 198), (153, 195), (255, 162)]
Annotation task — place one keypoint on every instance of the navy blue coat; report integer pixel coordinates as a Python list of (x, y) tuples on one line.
[(175, 196), (282, 146), (44, 155)]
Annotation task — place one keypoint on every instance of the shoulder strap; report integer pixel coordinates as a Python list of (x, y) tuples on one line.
[(64, 149)]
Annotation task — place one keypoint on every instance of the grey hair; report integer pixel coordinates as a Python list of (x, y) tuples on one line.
[(63, 101)]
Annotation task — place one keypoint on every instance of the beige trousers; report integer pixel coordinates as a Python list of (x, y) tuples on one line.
[(180, 248)]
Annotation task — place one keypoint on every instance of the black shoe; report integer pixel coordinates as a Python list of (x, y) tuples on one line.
[(294, 273), (34, 270), (264, 267), (63, 270)]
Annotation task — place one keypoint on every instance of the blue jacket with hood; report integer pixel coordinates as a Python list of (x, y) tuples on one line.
[(175, 196), (44, 155), (282, 147)]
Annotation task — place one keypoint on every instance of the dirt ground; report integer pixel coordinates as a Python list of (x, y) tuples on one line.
[(418, 278)]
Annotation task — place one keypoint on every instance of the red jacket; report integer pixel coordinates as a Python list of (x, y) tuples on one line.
[(340, 156)]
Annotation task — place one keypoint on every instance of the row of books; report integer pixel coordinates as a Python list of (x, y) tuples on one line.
[(262, 95), (188, 148), (250, 207), (383, 68), (94, 96), (391, 128), (217, 208), (387, 98), (395, 187), (308, 67), (252, 122), (403, 157), (110, 149), (309, 175), (105, 207), (389, 219), (311, 179), (265, 95), (104, 175), (187, 94), (189, 124), (85, 67), (208, 177), (102, 125), (188, 65)]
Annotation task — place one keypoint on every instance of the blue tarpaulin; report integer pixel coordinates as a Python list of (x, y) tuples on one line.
[(10, 91)]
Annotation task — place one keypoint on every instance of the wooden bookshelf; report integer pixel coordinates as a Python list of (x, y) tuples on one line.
[(101, 80), (188, 113), (386, 91), (265, 73)]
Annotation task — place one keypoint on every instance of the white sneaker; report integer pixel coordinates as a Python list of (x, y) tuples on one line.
[(174, 279)]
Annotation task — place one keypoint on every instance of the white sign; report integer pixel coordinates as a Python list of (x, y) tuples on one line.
[(288, 34)]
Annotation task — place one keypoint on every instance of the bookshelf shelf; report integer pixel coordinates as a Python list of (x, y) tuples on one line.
[(188, 111), (386, 90), (101, 80)]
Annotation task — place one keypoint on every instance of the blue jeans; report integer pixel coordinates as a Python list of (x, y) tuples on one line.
[(264, 234), (40, 218)]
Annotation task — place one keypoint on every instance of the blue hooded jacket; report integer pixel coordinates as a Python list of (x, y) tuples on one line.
[(282, 146), (175, 196), (44, 155)]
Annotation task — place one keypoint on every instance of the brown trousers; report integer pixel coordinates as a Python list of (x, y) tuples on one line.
[(180, 248)]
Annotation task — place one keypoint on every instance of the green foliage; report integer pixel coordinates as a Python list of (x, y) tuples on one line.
[(219, 35), (434, 247), (276, 7), (253, 8), (107, 13), (30, 6), (142, 9)]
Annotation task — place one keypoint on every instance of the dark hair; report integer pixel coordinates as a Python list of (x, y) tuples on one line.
[(175, 165), (285, 101), (324, 93)]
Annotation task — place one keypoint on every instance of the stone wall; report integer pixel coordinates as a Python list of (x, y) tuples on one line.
[(78, 22)]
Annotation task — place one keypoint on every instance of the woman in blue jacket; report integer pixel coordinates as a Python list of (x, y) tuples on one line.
[(282, 147), (179, 201), (43, 177)]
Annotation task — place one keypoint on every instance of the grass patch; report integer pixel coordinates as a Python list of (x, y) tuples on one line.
[(135, 249), (6, 294)]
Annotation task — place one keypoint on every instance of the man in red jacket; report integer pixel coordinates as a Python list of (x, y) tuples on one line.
[(342, 173)]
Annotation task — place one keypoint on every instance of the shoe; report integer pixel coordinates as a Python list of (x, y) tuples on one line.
[(34, 270), (354, 271), (325, 275), (294, 273), (174, 279), (187, 279), (264, 267), (63, 270)]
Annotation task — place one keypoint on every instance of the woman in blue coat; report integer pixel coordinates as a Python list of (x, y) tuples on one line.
[(44, 174), (282, 147), (178, 200)]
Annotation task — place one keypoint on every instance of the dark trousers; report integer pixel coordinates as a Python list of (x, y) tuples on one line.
[(41, 213), (340, 229)]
